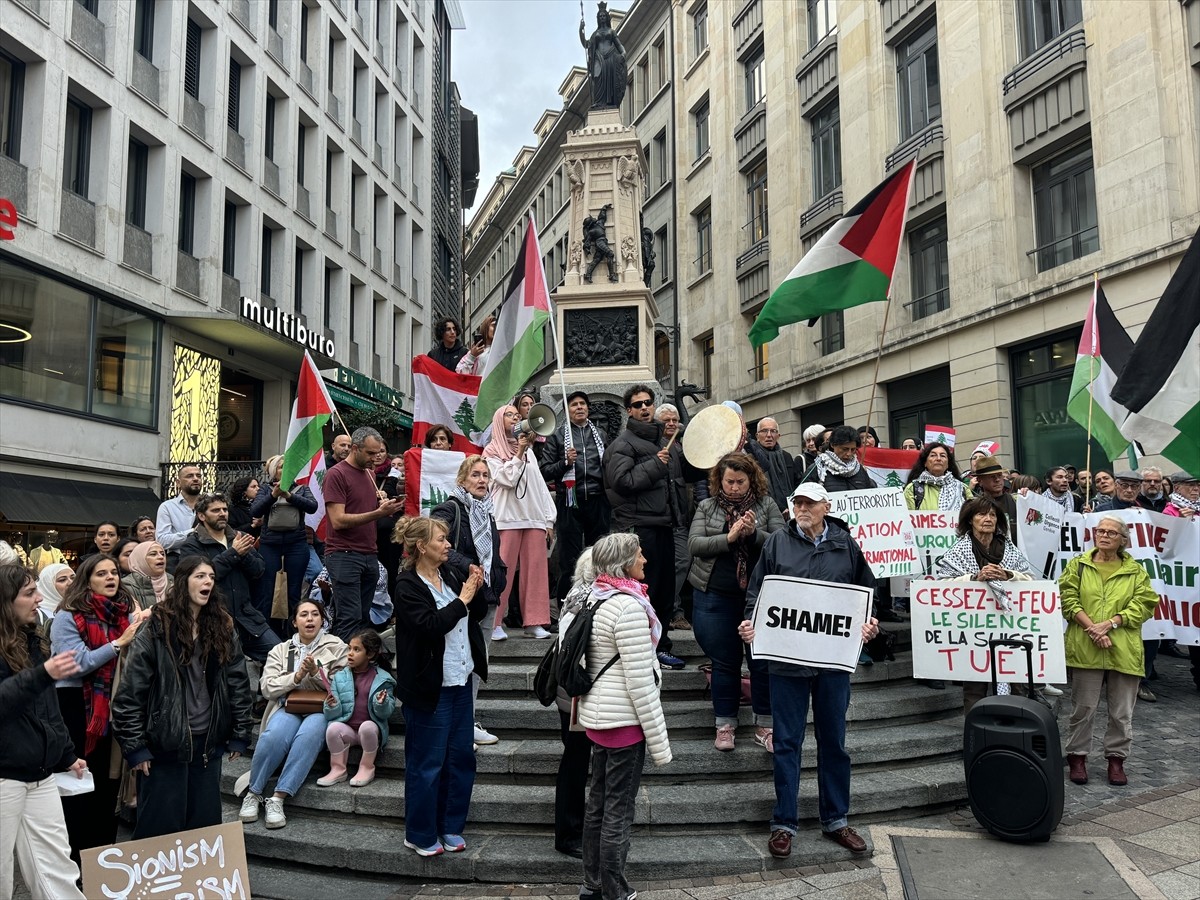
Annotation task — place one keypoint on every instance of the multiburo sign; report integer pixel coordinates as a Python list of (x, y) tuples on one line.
[(287, 325)]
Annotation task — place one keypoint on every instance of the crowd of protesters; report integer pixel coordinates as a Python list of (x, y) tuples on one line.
[(141, 664)]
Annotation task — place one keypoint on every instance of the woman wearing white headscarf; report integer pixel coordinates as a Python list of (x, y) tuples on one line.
[(52, 584)]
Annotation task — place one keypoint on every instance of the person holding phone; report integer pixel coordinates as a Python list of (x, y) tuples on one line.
[(475, 359)]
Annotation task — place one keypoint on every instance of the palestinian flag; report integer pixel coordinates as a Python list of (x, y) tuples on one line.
[(310, 413), (519, 348), (1160, 384), (442, 397), (429, 476), (1103, 351), (888, 468), (850, 265)]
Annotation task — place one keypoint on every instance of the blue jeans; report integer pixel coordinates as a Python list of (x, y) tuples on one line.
[(439, 771), (715, 619), (314, 565), (829, 692), (298, 739), (292, 554), (353, 576), (608, 820)]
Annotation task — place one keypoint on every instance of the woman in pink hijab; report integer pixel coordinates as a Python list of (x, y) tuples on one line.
[(148, 579), (525, 514)]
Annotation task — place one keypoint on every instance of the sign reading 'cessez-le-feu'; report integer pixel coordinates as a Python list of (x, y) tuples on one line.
[(287, 325)]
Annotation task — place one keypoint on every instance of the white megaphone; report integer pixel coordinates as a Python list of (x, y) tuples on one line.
[(541, 422)]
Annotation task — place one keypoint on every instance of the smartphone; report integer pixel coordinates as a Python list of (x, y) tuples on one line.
[(477, 337)]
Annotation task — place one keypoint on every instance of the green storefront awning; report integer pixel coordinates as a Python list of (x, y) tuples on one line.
[(351, 400)]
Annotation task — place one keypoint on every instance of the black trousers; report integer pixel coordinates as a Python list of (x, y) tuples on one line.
[(91, 818), (570, 788), (179, 796), (658, 546), (578, 527)]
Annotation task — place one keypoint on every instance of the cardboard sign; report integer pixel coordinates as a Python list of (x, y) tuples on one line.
[(810, 623), (952, 622), (880, 525), (204, 864), (934, 533), (1167, 547)]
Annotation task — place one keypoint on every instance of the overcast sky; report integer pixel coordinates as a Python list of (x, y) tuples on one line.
[(509, 63)]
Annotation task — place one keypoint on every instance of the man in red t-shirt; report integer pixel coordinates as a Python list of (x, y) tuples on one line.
[(353, 505)]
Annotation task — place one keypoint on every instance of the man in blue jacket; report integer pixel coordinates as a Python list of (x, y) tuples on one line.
[(817, 546)]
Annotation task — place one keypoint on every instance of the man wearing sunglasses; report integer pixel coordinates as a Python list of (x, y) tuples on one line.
[(637, 476)]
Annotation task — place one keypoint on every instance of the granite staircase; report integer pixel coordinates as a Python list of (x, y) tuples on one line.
[(704, 813)]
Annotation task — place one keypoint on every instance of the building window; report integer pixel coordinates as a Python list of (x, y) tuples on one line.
[(445, 260), (77, 149), (234, 116), (264, 276), (1041, 21), (269, 129), (833, 332), (643, 83), (298, 283), (143, 28), (707, 349), (704, 240), (229, 242), (191, 60), (301, 152), (826, 150), (12, 101), (918, 82), (756, 202), (662, 255), (662, 166), (700, 127), (273, 14), (918, 401), (755, 85), (1064, 201), (699, 30), (930, 269), (85, 354), (328, 179), (327, 299), (135, 186), (187, 213), (822, 19), (92, 6), (761, 362)]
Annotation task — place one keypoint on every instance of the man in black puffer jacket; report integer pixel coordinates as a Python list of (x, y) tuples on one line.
[(637, 479)]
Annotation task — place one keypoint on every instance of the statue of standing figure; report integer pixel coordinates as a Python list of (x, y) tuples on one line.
[(605, 61), (595, 244)]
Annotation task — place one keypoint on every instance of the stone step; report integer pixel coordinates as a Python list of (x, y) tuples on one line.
[(511, 856), (661, 801)]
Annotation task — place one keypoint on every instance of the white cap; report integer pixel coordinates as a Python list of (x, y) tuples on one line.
[(811, 490)]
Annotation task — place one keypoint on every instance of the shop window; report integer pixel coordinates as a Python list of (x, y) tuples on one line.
[(109, 373), (827, 413)]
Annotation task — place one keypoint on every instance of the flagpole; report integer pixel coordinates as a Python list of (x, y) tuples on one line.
[(1087, 491), (562, 379)]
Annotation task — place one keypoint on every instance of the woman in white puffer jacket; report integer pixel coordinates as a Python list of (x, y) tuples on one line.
[(621, 713)]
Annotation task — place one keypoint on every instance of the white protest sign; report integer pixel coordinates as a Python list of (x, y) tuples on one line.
[(934, 533), (952, 622), (204, 864), (810, 623), (1167, 547), (879, 523)]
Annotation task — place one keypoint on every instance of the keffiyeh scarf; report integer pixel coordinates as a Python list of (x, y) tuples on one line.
[(105, 621), (606, 586), (1063, 500), (964, 559), (951, 492), (1181, 502), (828, 463), (480, 514), (568, 443)]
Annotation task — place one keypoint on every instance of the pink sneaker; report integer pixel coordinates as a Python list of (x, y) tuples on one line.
[(724, 741), (765, 738)]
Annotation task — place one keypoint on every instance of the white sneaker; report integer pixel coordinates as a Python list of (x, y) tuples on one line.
[(1051, 691), (483, 736), (275, 816), (250, 805), (538, 633), (498, 634)]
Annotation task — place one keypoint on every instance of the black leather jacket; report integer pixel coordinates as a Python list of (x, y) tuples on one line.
[(36, 743), (149, 711)]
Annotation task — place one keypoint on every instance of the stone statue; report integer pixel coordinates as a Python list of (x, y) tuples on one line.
[(629, 173), (648, 254), (629, 251), (595, 244), (575, 177), (605, 61)]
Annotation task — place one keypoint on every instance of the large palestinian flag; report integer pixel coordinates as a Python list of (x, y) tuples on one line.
[(1160, 385), (850, 265), (1104, 350), (310, 414)]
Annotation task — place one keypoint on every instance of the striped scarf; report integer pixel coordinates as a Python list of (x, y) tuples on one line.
[(951, 492), (568, 443), (480, 514)]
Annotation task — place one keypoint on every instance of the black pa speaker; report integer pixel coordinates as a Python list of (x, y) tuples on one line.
[(1013, 762)]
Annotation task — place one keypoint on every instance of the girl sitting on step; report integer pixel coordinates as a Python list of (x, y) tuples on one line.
[(361, 700)]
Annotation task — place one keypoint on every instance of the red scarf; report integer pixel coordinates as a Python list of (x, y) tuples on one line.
[(103, 623)]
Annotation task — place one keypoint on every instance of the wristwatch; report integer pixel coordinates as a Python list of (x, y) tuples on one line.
[(1113, 623)]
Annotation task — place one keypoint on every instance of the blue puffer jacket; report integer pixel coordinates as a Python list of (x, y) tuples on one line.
[(340, 707)]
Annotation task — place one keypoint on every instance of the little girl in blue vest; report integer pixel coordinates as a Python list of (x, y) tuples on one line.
[(361, 700)]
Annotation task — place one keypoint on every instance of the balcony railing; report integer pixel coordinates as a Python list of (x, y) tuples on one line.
[(1081, 243), (826, 203), (219, 476), (1044, 56), (933, 302), (913, 145), (703, 263)]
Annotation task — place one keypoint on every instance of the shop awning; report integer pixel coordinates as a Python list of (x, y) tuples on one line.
[(38, 500)]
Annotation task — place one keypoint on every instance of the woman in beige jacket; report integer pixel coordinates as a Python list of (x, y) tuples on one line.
[(621, 714)]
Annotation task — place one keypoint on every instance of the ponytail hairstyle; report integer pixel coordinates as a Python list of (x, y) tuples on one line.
[(377, 654)]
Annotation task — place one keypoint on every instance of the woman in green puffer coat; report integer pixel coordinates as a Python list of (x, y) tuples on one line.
[(1106, 596)]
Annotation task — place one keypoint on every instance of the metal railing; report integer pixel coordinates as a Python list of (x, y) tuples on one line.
[(217, 476), (912, 146), (703, 262), (826, 203), (1044, 56), (1048, 257), (927, 305)]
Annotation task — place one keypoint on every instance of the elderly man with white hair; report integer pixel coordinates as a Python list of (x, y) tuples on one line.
[(777, 464)]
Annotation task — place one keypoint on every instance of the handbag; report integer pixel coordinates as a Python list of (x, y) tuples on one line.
[(302, 702), (283, 516), (882, 646), (279, 599)]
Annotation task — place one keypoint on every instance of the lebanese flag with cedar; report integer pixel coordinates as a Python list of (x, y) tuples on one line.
[(442, 397)]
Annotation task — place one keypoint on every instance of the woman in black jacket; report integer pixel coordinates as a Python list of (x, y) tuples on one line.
[(184, 699), (839, 468), (35, 746), (439, 645)]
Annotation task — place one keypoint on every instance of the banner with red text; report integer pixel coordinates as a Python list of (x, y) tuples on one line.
[(879, 523), (934, 532), (1168, 548), (952, 622)]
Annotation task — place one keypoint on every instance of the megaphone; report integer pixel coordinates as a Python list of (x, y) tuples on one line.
[(541, 422)]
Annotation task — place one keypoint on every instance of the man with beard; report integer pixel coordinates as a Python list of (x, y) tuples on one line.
[(339, 449), (176, 516), (1152, 496), (237, 567)]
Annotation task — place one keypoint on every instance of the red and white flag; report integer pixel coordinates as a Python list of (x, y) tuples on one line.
[(988, 448), (442, 397), (314, 477), (939, 434), (429, 476), (888, 468)]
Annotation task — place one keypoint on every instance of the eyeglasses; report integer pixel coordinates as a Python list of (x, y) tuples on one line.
[(768, 431), (640, 404), (1151, 481), (1106, 532)]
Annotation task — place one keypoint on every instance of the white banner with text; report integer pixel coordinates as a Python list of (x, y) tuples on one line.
[(880, 525), (810, 623)]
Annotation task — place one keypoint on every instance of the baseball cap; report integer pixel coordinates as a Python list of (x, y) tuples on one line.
[(810, 490)]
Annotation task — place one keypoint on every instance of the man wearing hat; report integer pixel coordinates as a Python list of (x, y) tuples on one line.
[(573, 459), (1185, 500), (989, 479), (813, 545), (1124, 497)]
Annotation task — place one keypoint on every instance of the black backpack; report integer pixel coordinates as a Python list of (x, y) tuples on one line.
[(571, 663)]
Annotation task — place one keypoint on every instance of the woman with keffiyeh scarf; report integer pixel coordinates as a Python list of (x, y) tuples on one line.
[(95, 621), (838, 468), (727, 533), (934, 481)]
